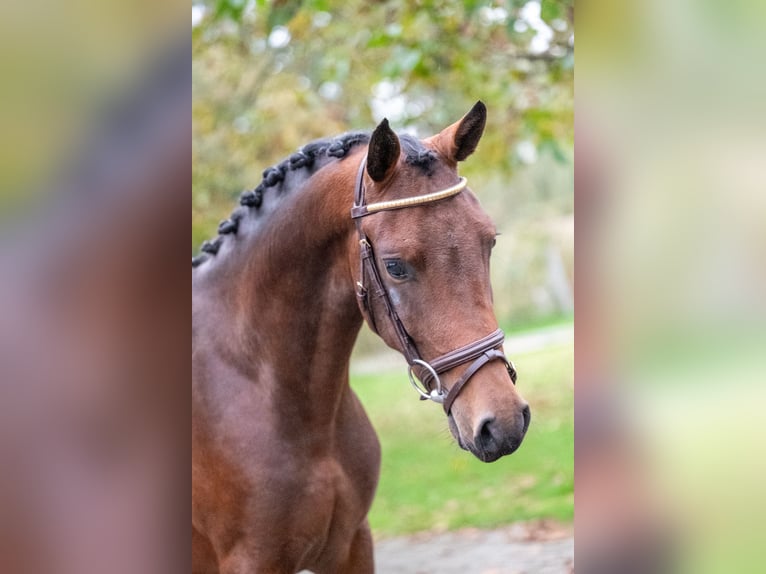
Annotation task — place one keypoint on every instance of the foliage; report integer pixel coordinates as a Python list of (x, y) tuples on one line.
[(428, 483), (270, 76)]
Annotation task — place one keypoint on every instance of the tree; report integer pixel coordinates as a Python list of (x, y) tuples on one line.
[(270, 76)]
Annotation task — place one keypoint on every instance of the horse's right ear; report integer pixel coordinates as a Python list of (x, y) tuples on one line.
[(383, 152), (459, 140)]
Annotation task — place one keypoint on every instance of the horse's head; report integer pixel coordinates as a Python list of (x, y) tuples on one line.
[(431, 257)]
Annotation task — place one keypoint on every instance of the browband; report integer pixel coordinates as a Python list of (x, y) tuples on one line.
[(368, 208)]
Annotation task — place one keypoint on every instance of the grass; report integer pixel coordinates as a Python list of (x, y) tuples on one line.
[(428, 483), (532, 324)]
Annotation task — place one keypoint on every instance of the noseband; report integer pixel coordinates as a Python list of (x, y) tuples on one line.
[(480, 352)]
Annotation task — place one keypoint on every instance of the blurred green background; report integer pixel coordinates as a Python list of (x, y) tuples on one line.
[(269, 77)]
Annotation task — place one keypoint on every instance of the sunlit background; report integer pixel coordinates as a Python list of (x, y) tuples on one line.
[(671, 242), (94, 321)]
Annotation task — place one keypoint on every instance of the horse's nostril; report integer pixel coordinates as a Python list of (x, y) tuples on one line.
[(526, 413), (485, 437)]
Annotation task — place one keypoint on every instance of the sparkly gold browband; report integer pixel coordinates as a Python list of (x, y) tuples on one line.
[(367, 209)]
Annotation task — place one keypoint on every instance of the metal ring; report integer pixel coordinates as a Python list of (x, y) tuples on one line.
[(437, 394)]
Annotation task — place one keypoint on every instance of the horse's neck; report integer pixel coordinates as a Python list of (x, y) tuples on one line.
[(290, 294)]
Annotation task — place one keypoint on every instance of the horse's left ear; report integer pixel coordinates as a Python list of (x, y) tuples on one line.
[(459, 140)]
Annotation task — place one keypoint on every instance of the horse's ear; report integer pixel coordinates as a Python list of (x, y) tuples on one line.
[(383, 152), (459, 140)]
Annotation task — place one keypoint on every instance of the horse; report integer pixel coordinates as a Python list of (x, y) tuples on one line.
[(377, 228)]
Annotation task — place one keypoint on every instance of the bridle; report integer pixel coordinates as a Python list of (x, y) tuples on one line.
[(481, 352)]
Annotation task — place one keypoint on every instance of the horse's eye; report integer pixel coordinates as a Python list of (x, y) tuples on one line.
[(396, 268)]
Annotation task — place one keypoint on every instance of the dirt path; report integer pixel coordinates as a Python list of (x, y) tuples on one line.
[(529, 548)]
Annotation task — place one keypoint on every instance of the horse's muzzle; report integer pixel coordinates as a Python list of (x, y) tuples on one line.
[(494, 439)]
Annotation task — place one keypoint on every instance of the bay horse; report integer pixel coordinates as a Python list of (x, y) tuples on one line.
[(374, 227)]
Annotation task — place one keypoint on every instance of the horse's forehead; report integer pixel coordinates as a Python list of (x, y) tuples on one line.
[(458, 222), (461, 214), (466, 227)]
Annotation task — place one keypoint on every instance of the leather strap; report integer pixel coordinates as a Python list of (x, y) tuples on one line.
[(468, 352), (378, 290), (359, 185), (485, 358), (369, 275)]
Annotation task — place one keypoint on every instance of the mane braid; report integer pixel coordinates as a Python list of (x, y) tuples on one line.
[(311, 157), (417, 155)]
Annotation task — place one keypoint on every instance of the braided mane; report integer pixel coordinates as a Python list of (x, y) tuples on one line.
[(309, 159)]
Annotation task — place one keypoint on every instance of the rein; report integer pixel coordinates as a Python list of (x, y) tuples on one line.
[(480, 352)]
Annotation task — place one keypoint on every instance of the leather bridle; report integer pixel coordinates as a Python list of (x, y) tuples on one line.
[(480, 352)]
